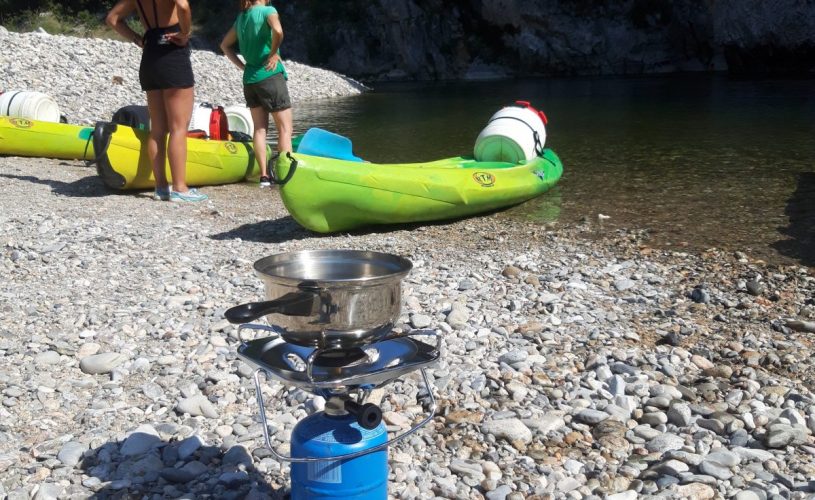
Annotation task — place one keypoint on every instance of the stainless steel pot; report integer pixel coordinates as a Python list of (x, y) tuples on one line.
[(329, 298)]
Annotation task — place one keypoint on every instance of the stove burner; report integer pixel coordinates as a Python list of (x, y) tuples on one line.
[(338, 358), (317, 370)]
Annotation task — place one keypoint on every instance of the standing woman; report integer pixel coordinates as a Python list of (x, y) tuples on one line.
[(166, 75), (258, 32)]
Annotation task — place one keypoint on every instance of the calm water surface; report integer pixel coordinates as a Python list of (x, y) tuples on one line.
[(697, 161)]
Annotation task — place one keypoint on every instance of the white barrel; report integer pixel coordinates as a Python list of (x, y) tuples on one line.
[(240, 119), (510, 136), (201, 112), (29, 104)]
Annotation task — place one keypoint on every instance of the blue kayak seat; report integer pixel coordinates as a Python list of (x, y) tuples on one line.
[(319, 142)]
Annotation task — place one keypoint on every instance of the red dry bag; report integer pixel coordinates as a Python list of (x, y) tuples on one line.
[(218, 124)]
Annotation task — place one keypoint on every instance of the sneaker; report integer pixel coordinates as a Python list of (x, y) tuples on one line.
[(191, 195), (162, 194), (265, 181)]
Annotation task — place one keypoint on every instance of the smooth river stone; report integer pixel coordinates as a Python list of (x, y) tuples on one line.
[(780, 435), (679, 414), (189, 446), (47, 358), (589, 416), (101, 363), (665, 442), (724, 457), (510, 429), (197, 406), (140, 441), (546, 423), (716, 470), (71, 453)]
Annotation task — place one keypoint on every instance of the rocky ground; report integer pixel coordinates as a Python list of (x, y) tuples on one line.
[(91, 78), (572, 368)]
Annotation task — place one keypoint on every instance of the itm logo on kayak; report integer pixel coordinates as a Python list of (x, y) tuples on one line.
[(485, 179)]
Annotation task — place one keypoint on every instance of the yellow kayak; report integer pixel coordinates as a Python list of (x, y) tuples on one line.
[(24, 137), (122, 161)]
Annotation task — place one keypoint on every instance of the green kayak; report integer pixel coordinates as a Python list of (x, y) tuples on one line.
[(328, 195)]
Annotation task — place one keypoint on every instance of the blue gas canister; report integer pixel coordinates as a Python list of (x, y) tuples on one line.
[(321, 435)]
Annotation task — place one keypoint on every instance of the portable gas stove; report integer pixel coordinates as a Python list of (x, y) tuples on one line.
[(335, 339), (340, 452)]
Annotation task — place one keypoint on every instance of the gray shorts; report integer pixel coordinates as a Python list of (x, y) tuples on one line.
[(272, 94)]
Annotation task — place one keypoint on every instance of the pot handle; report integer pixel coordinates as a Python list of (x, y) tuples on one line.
[(291, 304)]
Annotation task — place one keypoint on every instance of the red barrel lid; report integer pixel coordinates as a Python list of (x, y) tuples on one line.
[(528, 105)]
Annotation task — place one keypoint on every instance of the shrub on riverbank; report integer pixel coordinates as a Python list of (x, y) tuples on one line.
[(83, 24), (86, 18)]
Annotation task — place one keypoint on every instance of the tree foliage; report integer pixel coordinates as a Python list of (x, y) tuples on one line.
[(16, 8)]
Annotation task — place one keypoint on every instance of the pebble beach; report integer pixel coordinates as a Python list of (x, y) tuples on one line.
[(572, 367), (91, 78)]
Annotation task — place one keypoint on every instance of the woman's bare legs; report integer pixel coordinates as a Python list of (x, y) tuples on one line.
[(157, 141), (260, 121), (283, 123), (178, 105)]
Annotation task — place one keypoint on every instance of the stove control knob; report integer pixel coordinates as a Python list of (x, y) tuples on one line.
[(368, 415)]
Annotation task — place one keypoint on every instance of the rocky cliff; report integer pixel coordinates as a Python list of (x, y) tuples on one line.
[(473, 39)]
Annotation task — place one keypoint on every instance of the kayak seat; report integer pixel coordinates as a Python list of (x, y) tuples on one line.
[(319, 142)]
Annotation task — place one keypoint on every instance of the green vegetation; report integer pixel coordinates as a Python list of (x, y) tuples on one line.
[(86, 18), (211, 19), (68, 17), (83, 24)]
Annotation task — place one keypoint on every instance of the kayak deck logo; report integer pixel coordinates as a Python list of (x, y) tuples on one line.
[(486, 179), (20, 122)]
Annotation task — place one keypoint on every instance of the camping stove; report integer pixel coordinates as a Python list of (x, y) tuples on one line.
[(340, 452)]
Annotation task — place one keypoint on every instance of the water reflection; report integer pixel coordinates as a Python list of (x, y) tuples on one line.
[(699, 161), (543, 209), (338, 115), (801, 229)]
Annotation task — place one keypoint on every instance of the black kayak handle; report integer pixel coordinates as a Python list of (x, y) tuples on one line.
[(289, 175)]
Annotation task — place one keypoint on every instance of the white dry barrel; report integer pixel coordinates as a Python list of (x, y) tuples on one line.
[(29, 104), (513, 134), (240, 119)]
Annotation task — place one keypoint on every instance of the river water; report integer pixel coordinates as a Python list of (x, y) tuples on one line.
[(697, 161)]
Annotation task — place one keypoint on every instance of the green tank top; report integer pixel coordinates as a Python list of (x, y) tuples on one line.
[(255, 43)]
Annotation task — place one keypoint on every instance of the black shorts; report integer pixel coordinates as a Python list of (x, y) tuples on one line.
[(164, 65), (272, 94)]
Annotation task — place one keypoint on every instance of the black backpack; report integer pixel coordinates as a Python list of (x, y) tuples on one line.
[(136, 117)]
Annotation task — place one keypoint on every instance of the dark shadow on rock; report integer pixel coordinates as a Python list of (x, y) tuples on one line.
[(801, 229), (86, 187), (146, 466), (287, 229), (270, 231)]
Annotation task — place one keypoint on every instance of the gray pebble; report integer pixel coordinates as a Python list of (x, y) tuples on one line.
[(510, 429), (140, 441), (101, 363), (71, 453), (197, 406)]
